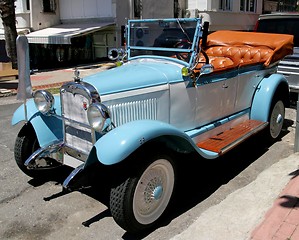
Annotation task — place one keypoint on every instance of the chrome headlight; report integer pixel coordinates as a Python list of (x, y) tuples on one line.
[(44, 101), (98, 116)]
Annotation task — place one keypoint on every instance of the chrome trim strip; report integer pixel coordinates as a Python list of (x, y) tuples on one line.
[(72, 175), (115, 96), (79, 124), (54, 147), (82, 88)]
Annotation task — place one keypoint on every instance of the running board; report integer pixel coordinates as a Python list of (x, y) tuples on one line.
[(230, 138)]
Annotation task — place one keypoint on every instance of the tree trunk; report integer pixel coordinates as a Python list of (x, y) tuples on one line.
[(7, 11)]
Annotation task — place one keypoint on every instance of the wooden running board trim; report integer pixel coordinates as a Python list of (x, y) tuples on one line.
[(228, 139)]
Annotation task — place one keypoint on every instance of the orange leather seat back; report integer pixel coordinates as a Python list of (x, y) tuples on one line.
[(242, 55), (219, 63), (251, 46)]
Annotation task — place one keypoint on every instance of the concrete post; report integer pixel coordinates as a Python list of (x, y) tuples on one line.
[(296, 144)]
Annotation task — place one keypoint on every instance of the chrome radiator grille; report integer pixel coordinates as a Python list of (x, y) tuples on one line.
[(135, 110), (77, 134), (75, 99), (73, 107)]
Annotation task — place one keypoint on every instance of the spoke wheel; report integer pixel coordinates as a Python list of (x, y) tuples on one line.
[(153, 191), (138, 203)]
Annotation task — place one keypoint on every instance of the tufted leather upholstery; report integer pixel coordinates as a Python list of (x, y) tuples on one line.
[(230, 49), (219, 63), (242, 55)]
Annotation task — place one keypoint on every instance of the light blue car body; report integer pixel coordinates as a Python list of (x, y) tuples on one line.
[(125, 140), (163, 73), (265, 92)]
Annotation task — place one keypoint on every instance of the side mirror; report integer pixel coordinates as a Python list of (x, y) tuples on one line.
[(116, 54), (206, 69)]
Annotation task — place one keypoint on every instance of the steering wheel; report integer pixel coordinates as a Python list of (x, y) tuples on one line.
[(207, 61), (201, 60), (185, 56)]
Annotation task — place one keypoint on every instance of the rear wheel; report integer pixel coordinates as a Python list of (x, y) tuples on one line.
[(138, 202), (276, 118)]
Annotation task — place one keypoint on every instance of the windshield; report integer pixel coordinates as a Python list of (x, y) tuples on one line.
[(175, 38)]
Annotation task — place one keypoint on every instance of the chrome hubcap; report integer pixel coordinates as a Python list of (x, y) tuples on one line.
[(276, 120), (157, 193)]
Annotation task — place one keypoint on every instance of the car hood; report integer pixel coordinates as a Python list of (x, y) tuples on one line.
[(135, 75)]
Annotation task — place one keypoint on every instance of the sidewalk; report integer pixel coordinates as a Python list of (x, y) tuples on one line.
[(282, 220), (52, 78), (268, 208), (249, 212)]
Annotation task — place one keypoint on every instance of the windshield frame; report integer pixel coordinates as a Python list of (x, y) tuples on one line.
[(193, 50)]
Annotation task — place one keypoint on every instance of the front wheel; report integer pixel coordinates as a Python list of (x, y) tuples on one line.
[(137, 203), (276, 118), (26, 144)]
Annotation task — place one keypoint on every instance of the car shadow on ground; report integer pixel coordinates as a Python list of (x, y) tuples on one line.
[(197, 180)]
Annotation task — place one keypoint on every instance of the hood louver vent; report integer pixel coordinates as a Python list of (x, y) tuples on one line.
[(132, 111)]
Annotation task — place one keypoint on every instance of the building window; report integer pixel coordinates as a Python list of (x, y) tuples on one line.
[(225, 5), (247, 5), (281, 6), (49, 6), (22, 6), (287, 6)]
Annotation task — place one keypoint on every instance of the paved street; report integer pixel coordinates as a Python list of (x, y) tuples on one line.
[(31, 209)]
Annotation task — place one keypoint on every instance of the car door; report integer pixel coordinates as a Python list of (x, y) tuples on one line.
[(248, 80), (215, 97)]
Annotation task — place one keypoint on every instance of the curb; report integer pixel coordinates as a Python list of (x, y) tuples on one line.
[(7, 92), (47, 86), (13, 92), (4, 92)]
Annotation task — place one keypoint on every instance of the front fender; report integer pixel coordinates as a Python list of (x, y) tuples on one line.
[(119, 143), (47, 128), (264, 94)]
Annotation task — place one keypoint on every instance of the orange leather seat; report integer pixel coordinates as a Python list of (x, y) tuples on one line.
[(231, 49), (219, 63)]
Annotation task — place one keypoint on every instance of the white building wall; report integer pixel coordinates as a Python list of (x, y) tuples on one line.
[(87, 9), (233, 19), (198, 4), (157, 9), (40, 20), (22, 16)]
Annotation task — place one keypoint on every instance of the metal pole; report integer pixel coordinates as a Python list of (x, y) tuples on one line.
[(24, 85), (296, 144)]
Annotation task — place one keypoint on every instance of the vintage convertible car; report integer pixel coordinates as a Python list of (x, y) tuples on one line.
[(202, 94)]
